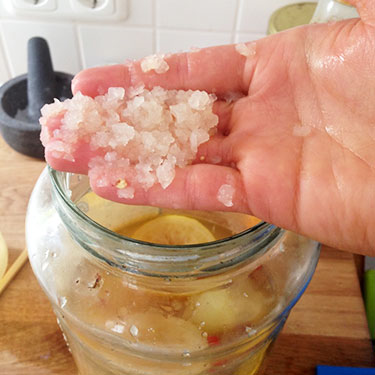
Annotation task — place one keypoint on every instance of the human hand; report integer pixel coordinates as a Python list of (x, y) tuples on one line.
[(298, 147)]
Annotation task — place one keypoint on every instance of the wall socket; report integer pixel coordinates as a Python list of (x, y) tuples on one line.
[(70, 10), (32, 5), (94, 7)]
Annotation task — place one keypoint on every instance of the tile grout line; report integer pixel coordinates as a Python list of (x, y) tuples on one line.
[(155, 43), (176, 28), (7, 58), (79, 41), (239, 7)]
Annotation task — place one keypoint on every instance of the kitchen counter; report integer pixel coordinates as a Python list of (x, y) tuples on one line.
[(327, 326)]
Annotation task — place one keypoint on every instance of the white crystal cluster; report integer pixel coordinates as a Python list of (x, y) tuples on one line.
[(154, 62), (139, 135), (225, 195), (301, 130), (246, 49)]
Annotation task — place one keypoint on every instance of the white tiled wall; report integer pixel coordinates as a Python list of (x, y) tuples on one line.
[(109, 44), (149, 26), (253, 17), (61, 38), (182, 40), (211, 15)]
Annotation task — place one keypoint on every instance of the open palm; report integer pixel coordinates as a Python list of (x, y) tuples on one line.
[(298, 146)]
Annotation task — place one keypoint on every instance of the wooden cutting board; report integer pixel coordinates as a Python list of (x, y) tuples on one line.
[(327, 326)]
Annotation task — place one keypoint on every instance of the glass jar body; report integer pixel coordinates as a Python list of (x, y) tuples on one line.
[(126, 307)]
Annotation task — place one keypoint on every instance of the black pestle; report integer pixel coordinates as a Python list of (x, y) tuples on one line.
[(41, 82), (22, 97)]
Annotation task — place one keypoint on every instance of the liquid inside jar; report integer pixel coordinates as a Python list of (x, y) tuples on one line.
[(164, 226), (173, 316)]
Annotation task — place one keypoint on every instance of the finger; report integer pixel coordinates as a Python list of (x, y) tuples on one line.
[(218, 150), (223, 110), (76, 161), (224, 192), (217, 70)]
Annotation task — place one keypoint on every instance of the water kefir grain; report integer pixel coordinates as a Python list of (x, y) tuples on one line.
[(147, 132), (225, 195), (154, 62), (301, 130), (246, 49)]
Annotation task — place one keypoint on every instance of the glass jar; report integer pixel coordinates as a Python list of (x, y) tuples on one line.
[(131, 307)]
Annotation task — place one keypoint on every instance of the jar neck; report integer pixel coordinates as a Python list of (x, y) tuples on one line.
[(333, 10), (157, 260)]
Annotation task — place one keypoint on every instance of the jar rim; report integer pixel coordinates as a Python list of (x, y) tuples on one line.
[(258, 239)]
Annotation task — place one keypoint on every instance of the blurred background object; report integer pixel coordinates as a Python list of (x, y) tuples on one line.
[(291, 15), (369, 294), (3, 255)]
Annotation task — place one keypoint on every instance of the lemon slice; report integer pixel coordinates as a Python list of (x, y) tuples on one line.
[(112, 215), (234, 222), (3, 255), (173, 230)]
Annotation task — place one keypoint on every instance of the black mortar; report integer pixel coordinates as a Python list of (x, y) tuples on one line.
[(22, 97)]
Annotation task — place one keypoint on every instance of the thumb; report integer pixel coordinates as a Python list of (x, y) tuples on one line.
[(365, 8)]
